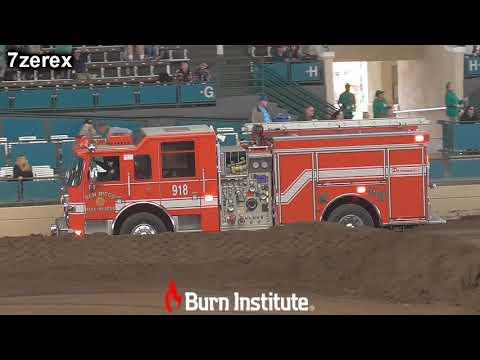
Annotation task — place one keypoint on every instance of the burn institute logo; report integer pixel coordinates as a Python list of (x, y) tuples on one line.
[(172, 295), (271, 302)]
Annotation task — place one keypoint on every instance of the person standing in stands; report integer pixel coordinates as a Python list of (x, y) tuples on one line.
[(470, 115), (452, 103), (183, 75), (347, 102), (152, 51), (260, 113), (202, 74), (88, 130), (280, 54), (138, 50), (33, 49), (22, 168), (381, 109), (308, 114), (79, 65)]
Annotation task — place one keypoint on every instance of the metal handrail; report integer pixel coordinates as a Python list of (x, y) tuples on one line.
[(299, 93), (420, 110)]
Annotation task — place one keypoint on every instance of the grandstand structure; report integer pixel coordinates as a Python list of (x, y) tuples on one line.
[(41, 111)]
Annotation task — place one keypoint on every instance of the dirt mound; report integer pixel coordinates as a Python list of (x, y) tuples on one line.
[(418, 266)]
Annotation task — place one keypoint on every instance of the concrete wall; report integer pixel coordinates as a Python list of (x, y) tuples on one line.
[(454, 201), (377, 52), (421, 82), (471, 88), (27, 220)]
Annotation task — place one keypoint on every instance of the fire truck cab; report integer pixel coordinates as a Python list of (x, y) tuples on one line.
[(190, 178)]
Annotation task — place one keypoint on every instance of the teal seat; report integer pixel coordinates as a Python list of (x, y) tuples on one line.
[(158, 94), (4, 103), (8, 191), (67, 154), (14, 128), (41, 190), (37, 154), (34, 99), (70, 127), (116, 96), (74, 99)]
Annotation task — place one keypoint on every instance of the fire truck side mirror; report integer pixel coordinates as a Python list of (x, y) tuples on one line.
[(92, 176)]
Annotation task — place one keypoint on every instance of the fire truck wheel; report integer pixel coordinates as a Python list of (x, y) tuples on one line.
[(142, 224), (351, 215)]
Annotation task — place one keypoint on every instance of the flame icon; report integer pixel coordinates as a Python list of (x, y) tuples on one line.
[(172, 293)]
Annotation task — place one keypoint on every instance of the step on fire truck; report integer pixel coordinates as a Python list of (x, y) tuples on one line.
[(193, 178)]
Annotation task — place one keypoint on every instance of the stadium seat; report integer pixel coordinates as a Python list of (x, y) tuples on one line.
[(42, 190), (16, 127)]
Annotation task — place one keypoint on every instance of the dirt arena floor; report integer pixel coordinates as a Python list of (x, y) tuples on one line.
[(431, 269)]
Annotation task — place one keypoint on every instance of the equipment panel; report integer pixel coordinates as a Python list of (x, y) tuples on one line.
[(246, 199)]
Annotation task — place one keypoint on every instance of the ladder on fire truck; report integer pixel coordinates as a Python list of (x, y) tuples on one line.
[(339, 124)]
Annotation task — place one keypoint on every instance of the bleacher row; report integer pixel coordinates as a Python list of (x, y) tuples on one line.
[(104, 64)]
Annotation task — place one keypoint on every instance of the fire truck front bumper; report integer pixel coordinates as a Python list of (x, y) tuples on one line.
[(435, 219), (60, 227)]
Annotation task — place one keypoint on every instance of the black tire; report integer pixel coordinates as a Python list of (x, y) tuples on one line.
[(142, 218), (351, 209)]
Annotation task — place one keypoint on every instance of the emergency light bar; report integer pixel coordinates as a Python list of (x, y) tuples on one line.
[(337, 124)]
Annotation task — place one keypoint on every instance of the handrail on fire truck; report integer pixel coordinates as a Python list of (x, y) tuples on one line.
[(338, 124)]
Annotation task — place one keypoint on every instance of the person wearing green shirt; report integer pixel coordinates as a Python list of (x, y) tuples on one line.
[(452, 103), (63, 49), (347, 102), (381, 109)]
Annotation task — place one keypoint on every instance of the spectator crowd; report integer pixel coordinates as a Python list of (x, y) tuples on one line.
[(346, 109), (291, 53), (80, 59)]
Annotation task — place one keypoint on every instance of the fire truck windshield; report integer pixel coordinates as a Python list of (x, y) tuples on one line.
[(75, 173)]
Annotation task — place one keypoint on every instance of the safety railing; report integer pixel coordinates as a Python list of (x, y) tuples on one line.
[(241, 76), (294, 96), (455, 147), (110, 95)]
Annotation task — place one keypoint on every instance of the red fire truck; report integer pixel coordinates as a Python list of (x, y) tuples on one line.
[(193, 178)]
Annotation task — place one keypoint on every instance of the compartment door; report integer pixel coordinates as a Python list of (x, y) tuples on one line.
[(295, 195), (407, 184)]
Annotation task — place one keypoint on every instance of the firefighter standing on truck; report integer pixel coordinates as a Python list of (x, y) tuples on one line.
[(381, 109), (347, 102)]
